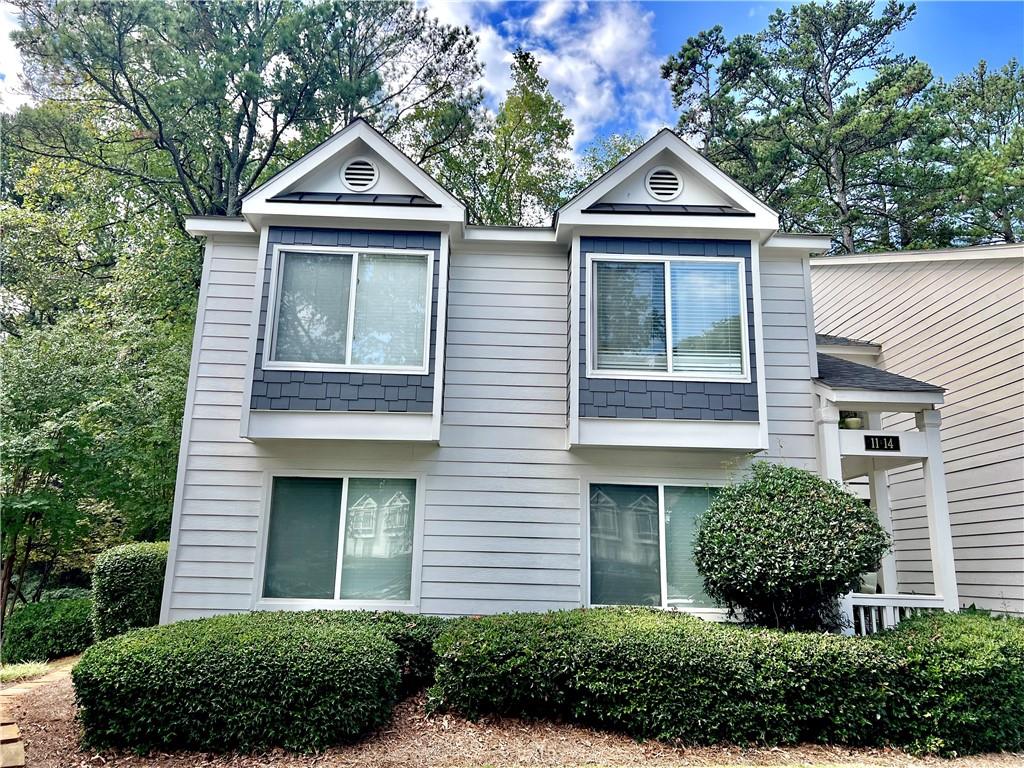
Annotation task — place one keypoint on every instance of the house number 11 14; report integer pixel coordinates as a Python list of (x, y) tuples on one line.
[(881, 443)]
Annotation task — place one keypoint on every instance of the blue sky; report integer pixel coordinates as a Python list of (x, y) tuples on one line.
[(603, 58)]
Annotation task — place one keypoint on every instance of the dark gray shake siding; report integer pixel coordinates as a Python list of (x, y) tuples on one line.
[(659, 399), (323, 391)]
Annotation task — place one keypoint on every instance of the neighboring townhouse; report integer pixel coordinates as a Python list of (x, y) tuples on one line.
[(955, 318), (389, 408)]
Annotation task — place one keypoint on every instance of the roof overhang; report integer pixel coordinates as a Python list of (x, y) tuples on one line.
[(969, 253), (205, 226), (878, 400)]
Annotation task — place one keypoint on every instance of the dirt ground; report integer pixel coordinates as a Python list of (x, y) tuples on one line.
[(413, 740)]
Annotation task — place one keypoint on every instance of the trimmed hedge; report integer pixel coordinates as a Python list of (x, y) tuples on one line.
[(960, 685), (47, 630), (249, 681), (127, 585), (942, 683)]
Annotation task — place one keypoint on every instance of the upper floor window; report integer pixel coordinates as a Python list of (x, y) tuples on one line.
[(350, 310), (668, 317)]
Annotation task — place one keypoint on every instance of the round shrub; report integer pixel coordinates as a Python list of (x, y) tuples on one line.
[(960, 686), (127, 585), (47, 630), (249, 681), (782, 547)]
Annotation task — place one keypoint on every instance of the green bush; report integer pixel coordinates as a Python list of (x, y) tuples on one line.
[(249, 681), (127, 585), (661, 675), (960, 686), (780, 548), (943, 683), (47, 630)]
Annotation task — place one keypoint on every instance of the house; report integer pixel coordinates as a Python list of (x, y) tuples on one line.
[(953, 317), (389, 408)]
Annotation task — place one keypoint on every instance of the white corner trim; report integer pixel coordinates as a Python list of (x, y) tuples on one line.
[(759, 355), (740, 436), (812, 339), (340, 425), (573, 435), (441, 341)]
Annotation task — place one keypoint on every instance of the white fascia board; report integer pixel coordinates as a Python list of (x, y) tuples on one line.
[(696, 227), (859, 350), (1000, 251), (803, 244), (362, 130), (375, 216), (340, 425), (666, 139), (878, 399), (204, 226), (739, 436), (477, 234)]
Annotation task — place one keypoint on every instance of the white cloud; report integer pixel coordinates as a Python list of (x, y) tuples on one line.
[(600, 59), (12, 94)]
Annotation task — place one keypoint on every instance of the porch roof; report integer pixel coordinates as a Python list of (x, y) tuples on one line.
[(841, 341), (837, 373)]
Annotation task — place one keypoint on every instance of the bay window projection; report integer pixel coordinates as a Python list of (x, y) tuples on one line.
[(340, 539), (641, 545), (366, 311), (669, 317)]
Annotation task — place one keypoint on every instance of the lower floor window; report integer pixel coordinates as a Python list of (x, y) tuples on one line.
[(340, 538), (641, 545)]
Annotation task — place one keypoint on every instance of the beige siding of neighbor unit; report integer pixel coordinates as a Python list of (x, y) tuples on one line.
[(503, 497), (958, 323)]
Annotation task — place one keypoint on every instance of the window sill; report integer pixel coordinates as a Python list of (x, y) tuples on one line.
[(277, 365), (302, 604), (664, 376)]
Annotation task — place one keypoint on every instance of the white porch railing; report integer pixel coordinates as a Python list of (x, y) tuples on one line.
[(873, 613)]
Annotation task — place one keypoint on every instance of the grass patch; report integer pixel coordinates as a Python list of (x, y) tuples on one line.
[(13, 673)]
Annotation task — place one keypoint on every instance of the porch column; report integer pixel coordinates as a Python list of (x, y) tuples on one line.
[(830, 460), (937, 506), (879, 485)]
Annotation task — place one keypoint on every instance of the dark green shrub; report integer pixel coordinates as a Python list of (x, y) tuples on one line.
[(249, 681), (667, 676), (960, 685), (127, 585), (780, 548), (47, 630)]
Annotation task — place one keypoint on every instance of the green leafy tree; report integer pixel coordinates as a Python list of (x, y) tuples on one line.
[(600, 156), (792, 110), (515, 169), (984, 111), (195, 102)]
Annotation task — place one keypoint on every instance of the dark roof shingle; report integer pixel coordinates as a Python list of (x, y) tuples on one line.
[(841, 341), (354, 198), (842, 374), (667, 209)]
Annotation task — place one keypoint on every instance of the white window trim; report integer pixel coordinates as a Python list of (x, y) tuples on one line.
[(716, 614), (261, 603), (591, 309), (276, 275)]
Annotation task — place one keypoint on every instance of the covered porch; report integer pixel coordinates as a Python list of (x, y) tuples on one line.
[(852, 399)]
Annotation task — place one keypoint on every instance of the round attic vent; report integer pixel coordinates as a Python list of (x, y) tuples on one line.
[(359, 174), (664, 183)]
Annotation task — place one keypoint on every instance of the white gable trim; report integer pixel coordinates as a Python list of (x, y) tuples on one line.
[(764, 217), (255, 203)]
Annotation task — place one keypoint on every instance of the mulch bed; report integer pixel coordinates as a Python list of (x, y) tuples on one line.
[(412, 739)]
